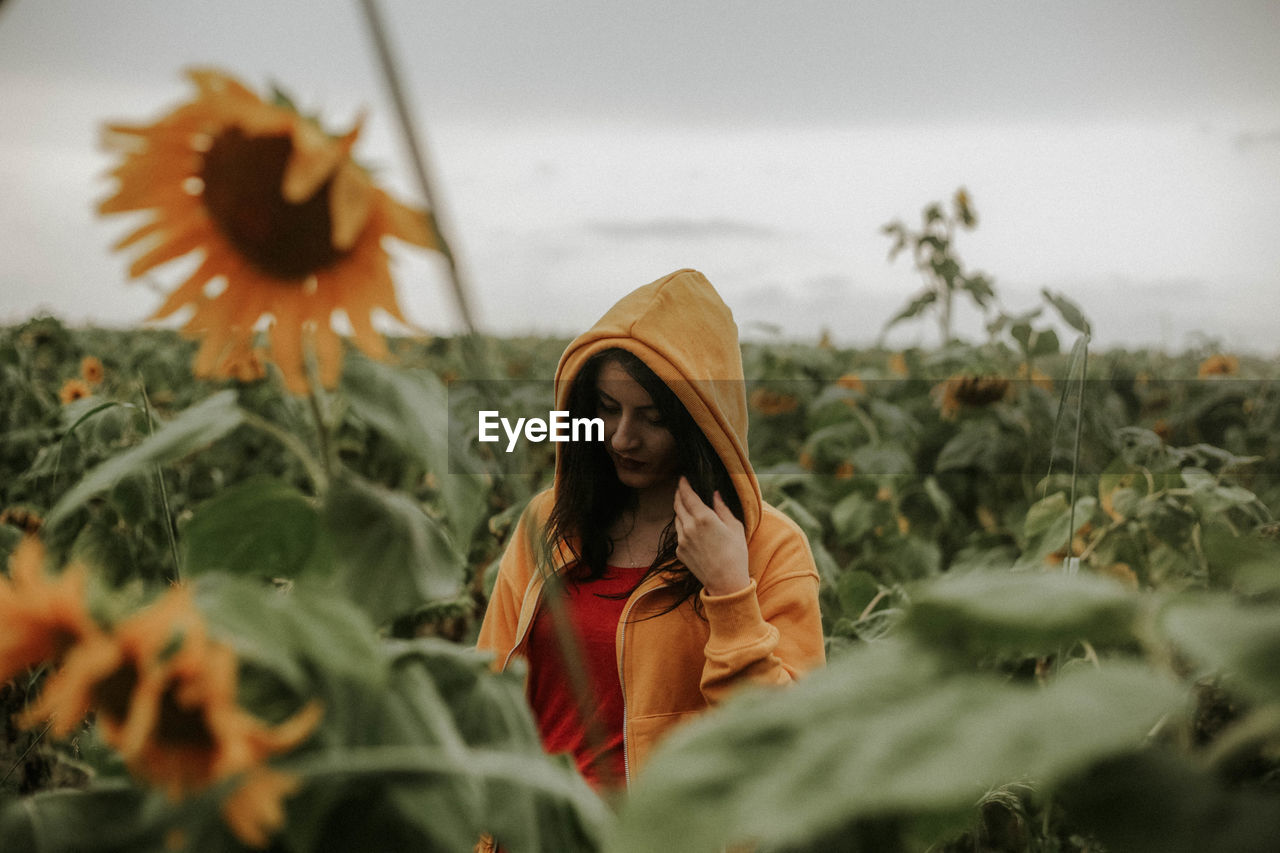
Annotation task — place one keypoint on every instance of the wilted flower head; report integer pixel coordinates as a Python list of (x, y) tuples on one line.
[(41, 617), (958, 392), (287, 226), (1219, 365)]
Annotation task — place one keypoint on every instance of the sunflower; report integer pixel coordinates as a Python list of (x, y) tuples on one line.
[(1219, 365), (285, 222), (852, 382), (74, 389), (43, 617), (957, 392), (769, 403), (255, 809), (112, 672), (91, 369)]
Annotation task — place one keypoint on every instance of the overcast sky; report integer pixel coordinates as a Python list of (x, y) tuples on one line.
[(1127, 154)]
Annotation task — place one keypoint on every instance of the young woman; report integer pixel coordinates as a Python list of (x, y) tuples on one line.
[(651, 579)]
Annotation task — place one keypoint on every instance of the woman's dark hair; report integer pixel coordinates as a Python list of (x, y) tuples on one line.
[(590, 497)]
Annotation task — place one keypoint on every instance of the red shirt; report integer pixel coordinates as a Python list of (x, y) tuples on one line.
[(596, 741)]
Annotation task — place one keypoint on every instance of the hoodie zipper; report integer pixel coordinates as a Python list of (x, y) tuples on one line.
[(622, 683)]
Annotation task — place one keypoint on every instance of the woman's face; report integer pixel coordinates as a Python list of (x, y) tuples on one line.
[(641, 447)]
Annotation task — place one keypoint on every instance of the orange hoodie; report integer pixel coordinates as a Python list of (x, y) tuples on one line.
[(675, 665)]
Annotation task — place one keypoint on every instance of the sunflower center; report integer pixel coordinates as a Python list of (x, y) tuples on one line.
[(181, 726), (242, 178), (111, 695)]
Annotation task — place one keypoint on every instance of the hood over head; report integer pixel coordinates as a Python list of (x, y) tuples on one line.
[(682, 330)]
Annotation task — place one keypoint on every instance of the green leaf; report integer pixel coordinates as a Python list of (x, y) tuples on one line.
[(1045, 343), (855, 516), (856, 590), (392, 557), (1158, 802), (309, 640), (411, 409), (1240, 642), (111, 818), (260, 527), (1251, 562), (981, 613), (913, 309), (196, 427), (1067, 310), (879, 733), (975, 446)]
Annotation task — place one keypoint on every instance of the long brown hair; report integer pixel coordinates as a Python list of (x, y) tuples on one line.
[(590, 497)]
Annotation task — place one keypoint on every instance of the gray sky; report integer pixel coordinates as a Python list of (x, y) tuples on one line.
[(1125, 153)]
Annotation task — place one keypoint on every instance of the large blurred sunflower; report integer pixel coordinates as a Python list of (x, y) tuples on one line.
[(41, 617), (283, 217)]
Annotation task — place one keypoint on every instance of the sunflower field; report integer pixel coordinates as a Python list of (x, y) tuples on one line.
[(246, 561)]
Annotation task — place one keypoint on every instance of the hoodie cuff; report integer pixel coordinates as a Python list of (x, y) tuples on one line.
[(735, 619)]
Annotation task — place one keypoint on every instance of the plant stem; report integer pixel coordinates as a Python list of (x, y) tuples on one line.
[(164, 492), (417, 155)]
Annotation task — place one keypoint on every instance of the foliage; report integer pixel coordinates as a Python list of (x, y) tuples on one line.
[(1024, 628)]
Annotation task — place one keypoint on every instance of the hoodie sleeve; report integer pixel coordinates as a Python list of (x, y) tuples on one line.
[(771, 631)]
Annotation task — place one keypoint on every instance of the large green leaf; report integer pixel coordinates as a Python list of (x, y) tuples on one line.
[(261, 527), (111, 818), (392, 557), (1157, 802), (879, 733), (411, 409), (1240, 642), (984, 612), (198, 426), (307, 639)]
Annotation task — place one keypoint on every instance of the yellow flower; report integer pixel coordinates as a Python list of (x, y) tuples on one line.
[(255, 809), (1219, 365), (42, 617), (1038, 377), (844, 471), (91, 369), (852, 382), (74, 389), (286, 224), (958, 392), (768, 402), (111, 672), (898, 364)]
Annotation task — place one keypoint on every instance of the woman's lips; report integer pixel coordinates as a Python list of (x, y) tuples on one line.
[(626, 464)]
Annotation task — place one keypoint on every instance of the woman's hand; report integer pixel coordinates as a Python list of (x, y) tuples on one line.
[(712, 542)]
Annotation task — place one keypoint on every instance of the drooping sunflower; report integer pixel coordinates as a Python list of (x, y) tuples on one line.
[(287, 224), (111, 672), (43, 617)]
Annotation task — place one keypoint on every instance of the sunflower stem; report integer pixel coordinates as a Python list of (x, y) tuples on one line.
[(315, 471), (21, 758), (417, 154), (315, 396), (164, 490)]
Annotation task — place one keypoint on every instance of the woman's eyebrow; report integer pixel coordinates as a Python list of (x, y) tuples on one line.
[(610, 401)]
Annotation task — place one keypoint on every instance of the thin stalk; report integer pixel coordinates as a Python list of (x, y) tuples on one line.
[(315, 398), (315, 471), (417, 155), (26, 752), (164, 492), (1075, 453)]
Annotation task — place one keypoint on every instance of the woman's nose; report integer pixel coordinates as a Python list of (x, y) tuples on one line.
[(625, 436)]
